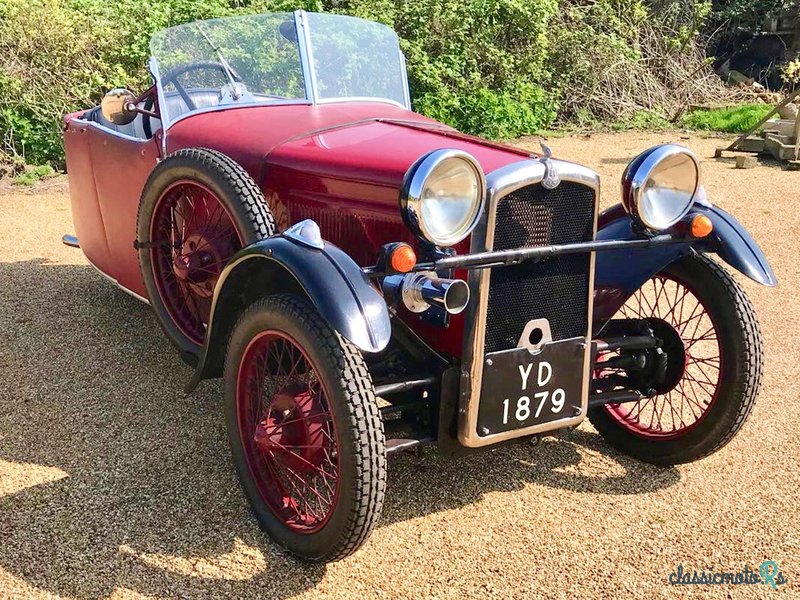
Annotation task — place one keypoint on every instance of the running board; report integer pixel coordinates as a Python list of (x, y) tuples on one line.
[(70, 240)]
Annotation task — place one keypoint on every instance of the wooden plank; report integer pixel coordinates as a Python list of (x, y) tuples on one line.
[(796, 134)]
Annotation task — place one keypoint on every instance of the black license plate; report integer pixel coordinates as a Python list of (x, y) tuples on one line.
[(521, 389)]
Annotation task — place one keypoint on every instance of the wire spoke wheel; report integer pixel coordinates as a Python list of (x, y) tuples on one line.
[(192, 239), (703, 379), (198, 208), (678, 316), (288, 432), (304, 428)]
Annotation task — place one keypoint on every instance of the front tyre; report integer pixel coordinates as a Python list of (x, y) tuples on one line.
[(304, 428), (714, 364)]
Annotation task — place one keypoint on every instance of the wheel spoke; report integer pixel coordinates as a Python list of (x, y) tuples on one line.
[(292, 435), (193, 237), (674, 410)]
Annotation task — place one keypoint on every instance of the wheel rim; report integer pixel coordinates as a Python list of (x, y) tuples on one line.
[(288, 431), (674, 412), (192, 238)]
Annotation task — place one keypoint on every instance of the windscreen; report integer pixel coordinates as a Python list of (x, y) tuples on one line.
[(224, 61), (354, 58)]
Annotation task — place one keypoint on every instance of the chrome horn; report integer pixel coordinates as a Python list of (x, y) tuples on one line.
[(421, 291)]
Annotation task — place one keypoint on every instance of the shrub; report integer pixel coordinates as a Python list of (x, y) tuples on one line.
[(33, 174), (729, 15), (478, 64), (499, 68)]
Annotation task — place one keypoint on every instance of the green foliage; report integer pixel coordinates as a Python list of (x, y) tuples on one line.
[(642, 119), (734, 119), (499, 68), (33, 174), (478, 64), (728, 15)]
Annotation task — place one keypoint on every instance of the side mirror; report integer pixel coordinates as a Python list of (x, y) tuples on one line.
[(118, 106)]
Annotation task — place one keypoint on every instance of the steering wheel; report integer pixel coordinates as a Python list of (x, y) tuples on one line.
[(172, 77)]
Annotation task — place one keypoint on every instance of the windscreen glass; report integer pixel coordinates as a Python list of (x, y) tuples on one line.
[(236, 59)]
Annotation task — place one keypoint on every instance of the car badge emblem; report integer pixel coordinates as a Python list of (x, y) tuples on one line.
[(551, 179)]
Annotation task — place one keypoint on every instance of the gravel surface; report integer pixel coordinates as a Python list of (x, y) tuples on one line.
[(114, 483)]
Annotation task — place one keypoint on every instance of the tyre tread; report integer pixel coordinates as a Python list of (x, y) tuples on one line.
[(751, 368), (364, 421)]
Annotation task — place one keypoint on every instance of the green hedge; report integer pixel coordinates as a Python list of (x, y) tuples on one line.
[(499, 68)]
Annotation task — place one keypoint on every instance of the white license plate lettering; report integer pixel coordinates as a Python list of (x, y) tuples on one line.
[(542, 398), (521, 407)]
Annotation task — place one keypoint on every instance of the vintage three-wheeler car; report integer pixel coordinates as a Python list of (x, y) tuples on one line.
[(366, 279)]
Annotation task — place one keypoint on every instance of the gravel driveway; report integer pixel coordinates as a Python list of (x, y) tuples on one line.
[(114, 483)]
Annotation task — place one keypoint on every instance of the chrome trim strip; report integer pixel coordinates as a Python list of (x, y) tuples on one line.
[(118, 284), (500, 183), (109, 131), (360, 99), (404, 73), (306, 55)]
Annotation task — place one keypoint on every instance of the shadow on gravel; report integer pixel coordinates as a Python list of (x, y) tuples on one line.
[(150, 501)]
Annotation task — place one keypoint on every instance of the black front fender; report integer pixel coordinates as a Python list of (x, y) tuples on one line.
[(619, 273), (328, 277), (732, 242)]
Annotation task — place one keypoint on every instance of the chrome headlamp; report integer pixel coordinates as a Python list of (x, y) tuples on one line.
[(442, 196), (660, 185)]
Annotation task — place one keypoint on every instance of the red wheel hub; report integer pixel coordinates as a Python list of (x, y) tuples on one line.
[(294, 428), (200, 262), (192, 239), (288, 432)]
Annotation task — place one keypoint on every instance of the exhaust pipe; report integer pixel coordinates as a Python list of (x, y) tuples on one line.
[(421, 291)]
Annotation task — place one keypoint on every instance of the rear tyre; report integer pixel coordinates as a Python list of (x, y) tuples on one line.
[(714, 358), (198, 208), (304, 428)]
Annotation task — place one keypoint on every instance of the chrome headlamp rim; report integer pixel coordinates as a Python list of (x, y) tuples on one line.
[(414, 183), (638, 172)]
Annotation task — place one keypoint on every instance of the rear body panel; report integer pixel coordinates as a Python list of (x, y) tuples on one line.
[(107, 174)]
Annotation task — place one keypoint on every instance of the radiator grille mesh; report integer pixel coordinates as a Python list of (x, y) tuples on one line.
[(557, 288)]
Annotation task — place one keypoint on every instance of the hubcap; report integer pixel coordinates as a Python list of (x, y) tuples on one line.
[(200, 262)]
